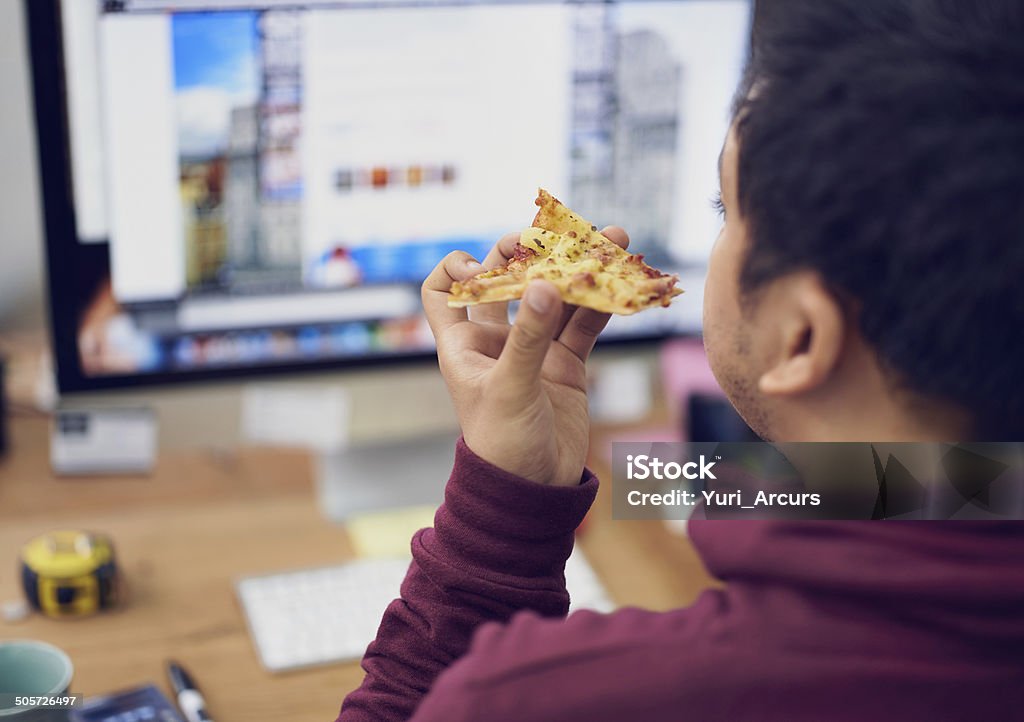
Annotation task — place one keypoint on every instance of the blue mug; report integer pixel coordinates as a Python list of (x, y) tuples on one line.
[(32, 669)]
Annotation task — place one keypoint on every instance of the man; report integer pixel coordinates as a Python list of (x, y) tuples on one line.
[(865, 286)]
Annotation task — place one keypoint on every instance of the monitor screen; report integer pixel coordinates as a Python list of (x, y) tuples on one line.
[(262, 185)]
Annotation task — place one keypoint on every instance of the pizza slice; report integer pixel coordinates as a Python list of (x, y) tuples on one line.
[(587, 268)]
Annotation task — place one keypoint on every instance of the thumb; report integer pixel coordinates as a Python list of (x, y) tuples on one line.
[(528, 341)]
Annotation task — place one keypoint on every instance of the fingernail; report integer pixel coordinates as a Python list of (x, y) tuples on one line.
[(537, 299), (474, 266)]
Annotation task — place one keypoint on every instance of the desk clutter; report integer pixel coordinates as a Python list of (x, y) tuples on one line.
[(36, 680), (296, 618), (70, 573), (143, 703)]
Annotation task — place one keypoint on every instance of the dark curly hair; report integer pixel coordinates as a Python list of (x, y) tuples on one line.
[(881, 143)]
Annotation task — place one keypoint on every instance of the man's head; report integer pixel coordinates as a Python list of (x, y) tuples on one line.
[(867, 281)]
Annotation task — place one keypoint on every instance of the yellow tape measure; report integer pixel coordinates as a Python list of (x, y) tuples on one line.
[(70, 573)]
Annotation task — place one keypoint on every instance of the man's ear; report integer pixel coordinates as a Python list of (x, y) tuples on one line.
[(812, 330)]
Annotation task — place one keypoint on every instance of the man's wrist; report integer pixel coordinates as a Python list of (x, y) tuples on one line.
[(519, 466), (507, 501), (525, 466)]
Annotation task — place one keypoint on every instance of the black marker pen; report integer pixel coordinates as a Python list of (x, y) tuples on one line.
[(190, 701)]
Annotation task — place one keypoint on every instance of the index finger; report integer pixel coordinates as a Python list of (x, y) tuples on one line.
[(616, 235), (456, 266), (502, 251), (499, 254)]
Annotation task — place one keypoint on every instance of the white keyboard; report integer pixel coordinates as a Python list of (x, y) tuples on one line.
[(311, 617)]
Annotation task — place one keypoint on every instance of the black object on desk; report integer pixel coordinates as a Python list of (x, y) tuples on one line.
[(190, 700), (143, 703)]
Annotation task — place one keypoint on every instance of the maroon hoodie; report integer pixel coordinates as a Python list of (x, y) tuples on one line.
[(819, 621)]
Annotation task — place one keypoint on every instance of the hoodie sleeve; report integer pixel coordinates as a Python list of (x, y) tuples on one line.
[(498, 546)]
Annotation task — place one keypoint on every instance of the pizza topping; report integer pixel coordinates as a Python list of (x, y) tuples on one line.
[(522, 253)]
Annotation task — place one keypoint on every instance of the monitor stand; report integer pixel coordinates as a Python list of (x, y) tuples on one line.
[(384, 475)]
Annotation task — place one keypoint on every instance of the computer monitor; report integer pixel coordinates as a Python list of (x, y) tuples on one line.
[(235, 186)]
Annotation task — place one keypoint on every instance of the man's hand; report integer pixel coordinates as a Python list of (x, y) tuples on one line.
[(519, 390)]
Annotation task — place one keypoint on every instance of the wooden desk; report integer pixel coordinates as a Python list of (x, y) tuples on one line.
[(202, 520)]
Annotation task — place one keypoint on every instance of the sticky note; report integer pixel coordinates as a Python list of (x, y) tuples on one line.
[(387, 533)]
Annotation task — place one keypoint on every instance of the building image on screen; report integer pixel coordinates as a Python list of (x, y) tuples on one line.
[(279, 178), (626, 120)]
